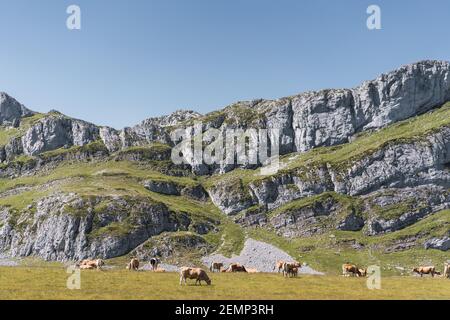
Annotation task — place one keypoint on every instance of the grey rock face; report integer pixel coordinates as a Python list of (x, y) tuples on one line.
[(230, 197), (11, 111), (57, 131), (66, 227), (162, 187), (352, 223), (304, 221), (111, 138), (402, 165), (323, 118), (168, 246), (414, 204), (195, 192), (442, 244), (13, 148), (178, 117), (331, 117), (398, 95)]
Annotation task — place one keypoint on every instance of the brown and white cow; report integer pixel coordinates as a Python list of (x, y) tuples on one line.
[(236, 267), (133, 265), (425, 270), (362, 272), (279, 265), (351, 270), (290, 269), (194, 273), (91, 264), (154, 263), (216, 266)]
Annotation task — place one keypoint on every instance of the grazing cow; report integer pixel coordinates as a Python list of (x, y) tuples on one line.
[(252, 270), (288, 268), (91, 264), (216, 266), (133, 265), (362, 272), (194, 273), (446, 270), (294, 272), (279, 265), (425, 270), (154, 262), (350, 270), (236, 267)]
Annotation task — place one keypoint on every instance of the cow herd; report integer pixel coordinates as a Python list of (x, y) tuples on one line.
[(288, 269), (352, 270)]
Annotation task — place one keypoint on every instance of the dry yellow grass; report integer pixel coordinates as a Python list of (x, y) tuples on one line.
[(50, 283)]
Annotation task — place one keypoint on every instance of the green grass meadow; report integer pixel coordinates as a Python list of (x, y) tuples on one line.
[(49, 283)]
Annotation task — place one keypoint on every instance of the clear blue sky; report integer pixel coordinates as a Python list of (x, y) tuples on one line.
[(135, 59)]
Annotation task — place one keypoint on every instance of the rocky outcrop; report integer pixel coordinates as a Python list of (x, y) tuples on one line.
[(11, 111), (170, 246), (331, 117), (395, 209), (57, 131), (305, 220), (174, 189), (351, 222), (68, 227), (442, 244), (402, 164), (230, 196)]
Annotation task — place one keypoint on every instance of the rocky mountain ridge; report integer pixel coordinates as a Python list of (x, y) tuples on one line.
[(371, 162)]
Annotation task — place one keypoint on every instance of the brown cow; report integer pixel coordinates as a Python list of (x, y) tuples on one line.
[(133, 265), (236, 267), (362, 272), (194, 273), (91, 264), (252, 270), (216, 266), (350, 270), (294, 272), (279, 265), (288, 268), (425, 270)]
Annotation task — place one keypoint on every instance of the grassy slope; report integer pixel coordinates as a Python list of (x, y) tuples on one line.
[(6, 134), (50, 283), (120, 178)]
